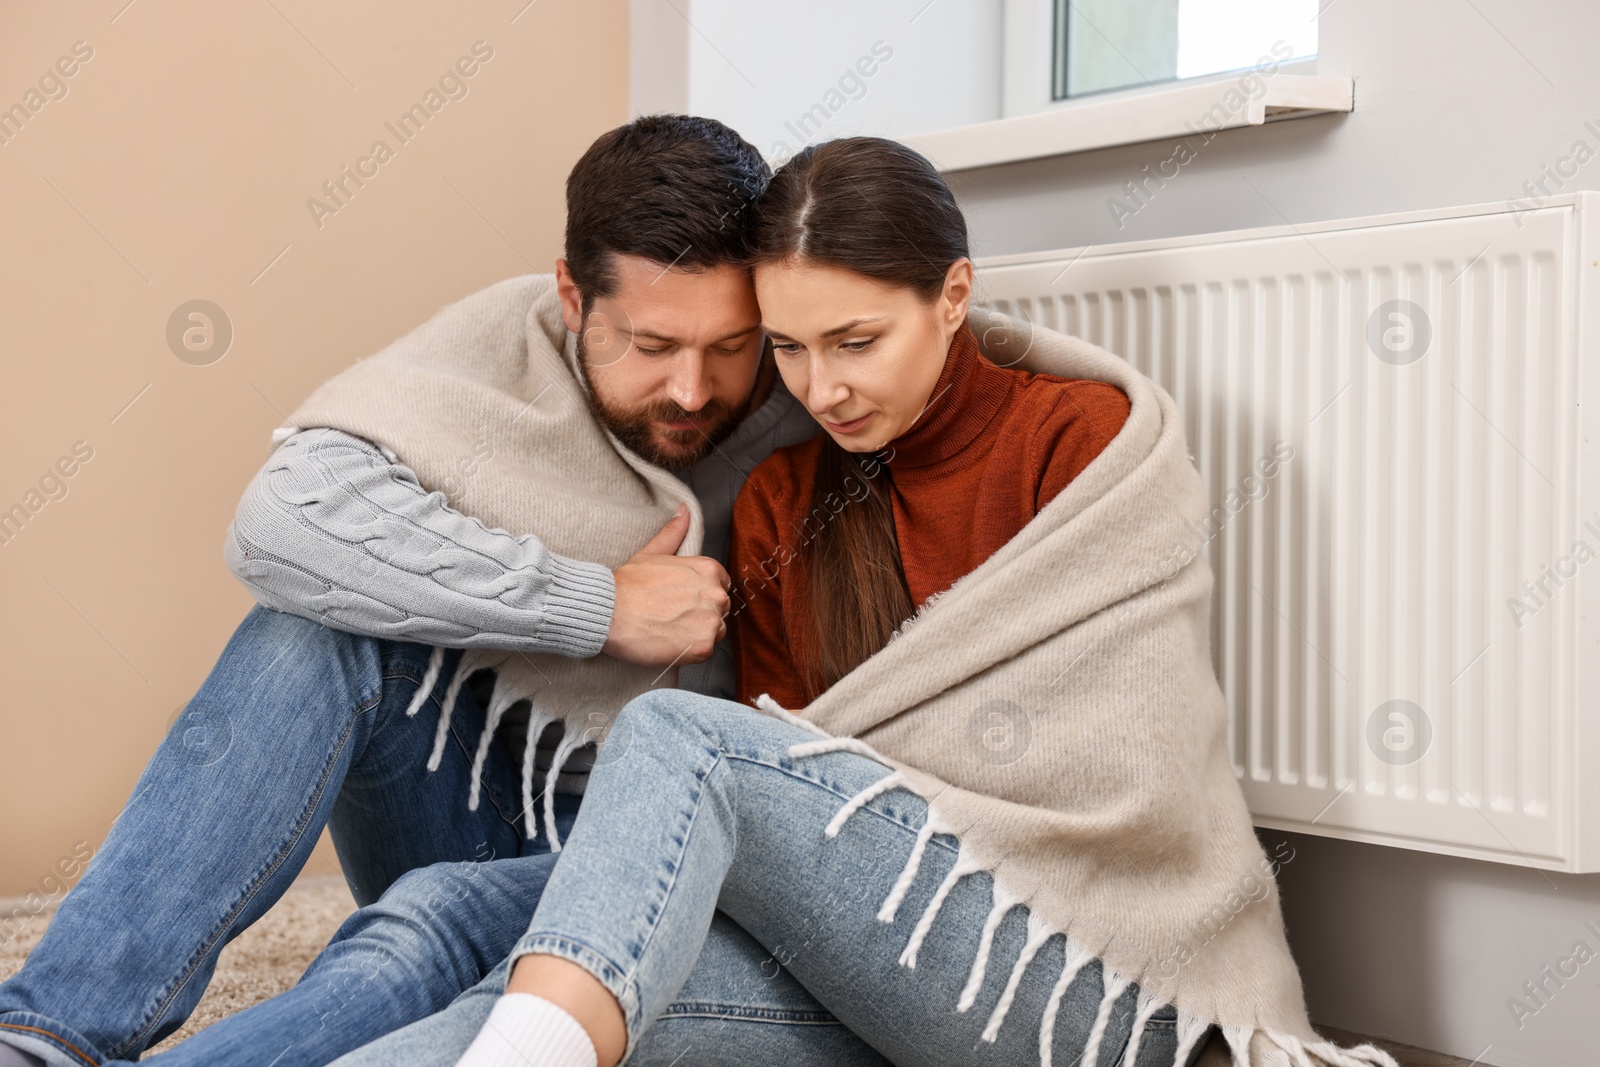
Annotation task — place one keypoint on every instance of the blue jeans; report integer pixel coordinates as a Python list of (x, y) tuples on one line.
[(297, 726), (705, 810), (435, 934)]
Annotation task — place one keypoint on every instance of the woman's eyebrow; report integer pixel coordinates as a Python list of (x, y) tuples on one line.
[(847, 327), (835, 332)]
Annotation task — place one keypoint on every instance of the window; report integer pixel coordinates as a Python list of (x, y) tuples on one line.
[(1074, 75), (1080, 75), (1099, 45)]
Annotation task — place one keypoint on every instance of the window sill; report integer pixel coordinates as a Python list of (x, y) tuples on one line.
[(1149, 115)]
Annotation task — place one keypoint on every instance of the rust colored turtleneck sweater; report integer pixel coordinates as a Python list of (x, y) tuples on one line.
[(994, 446)]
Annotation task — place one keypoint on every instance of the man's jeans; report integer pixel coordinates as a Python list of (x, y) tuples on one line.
[(297, 726), (704, 820)]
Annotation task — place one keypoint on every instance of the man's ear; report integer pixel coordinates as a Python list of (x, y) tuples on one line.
[(571, 297), (957, 296)]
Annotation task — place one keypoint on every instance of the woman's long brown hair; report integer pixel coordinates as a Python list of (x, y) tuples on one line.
[(877, 208)]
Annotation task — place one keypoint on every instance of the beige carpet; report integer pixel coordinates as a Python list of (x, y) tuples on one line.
[(262, 962)]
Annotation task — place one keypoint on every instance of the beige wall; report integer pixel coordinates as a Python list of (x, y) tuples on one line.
[(177, 166)]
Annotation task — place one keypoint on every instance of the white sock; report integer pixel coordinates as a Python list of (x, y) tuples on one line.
[(528, 1031)]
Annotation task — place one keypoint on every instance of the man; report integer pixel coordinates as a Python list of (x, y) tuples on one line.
[(359, 565)]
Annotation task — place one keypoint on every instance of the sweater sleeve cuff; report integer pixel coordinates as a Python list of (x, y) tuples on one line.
[(577, 607)]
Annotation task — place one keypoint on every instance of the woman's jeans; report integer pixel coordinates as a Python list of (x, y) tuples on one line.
[(298, 726), (737, 1008), (704, 810)]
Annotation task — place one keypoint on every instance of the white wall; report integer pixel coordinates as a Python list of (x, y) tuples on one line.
[(1457, 102), (1430, 949), (1452, 107), (763, 67)]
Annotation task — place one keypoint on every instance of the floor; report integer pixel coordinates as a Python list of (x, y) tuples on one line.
[(262, 962), (1405, 1055), (270, 956)]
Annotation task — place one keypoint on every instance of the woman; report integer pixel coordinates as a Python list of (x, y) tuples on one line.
[(999, 647), (932, 458)]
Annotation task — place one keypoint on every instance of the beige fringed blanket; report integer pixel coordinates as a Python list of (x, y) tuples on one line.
[(1058, 710), (1109, 809)]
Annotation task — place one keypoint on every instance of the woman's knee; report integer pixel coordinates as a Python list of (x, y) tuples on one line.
[(660, 714), (680, 713)]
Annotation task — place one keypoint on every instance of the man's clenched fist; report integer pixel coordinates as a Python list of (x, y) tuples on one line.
[(669, 609)]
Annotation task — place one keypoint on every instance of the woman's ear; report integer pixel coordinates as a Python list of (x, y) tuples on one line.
[(957, 294)]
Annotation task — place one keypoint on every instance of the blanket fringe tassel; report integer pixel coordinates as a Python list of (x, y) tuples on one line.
[(1113, 984), (1190, 1031), (1039, 932), (530, 817), (568, 745), (430, 678), (1289, 1051), (1076, 956), (497, 709), (1144, 1007), (499, 704), (446, 709)]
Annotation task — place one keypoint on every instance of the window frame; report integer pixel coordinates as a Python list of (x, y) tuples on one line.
[(1033, 124), (1027, 61)]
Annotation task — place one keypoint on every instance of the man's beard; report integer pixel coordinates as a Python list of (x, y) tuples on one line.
[(638, 428)]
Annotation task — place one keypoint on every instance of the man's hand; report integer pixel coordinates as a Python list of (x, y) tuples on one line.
[(669, 608)]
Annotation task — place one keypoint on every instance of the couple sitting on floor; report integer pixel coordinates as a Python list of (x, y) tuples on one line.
[(940, 777)]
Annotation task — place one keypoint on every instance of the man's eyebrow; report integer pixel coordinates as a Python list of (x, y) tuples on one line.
[(837, 331), (747, 331)]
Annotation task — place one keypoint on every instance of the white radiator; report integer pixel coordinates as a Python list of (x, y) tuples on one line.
[(1406, 622)]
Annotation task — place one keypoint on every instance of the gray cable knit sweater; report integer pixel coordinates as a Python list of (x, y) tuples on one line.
[(280, 545)]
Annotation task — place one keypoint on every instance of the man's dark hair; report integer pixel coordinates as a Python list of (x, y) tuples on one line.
[(674, 189)]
